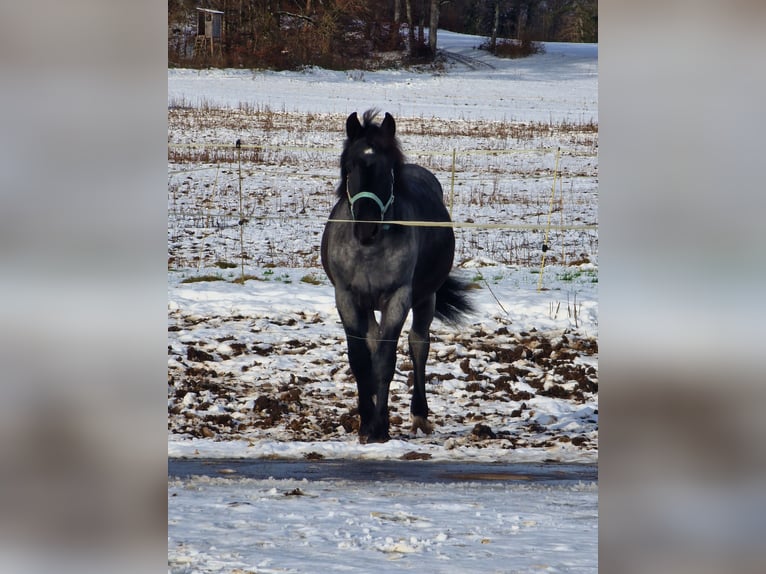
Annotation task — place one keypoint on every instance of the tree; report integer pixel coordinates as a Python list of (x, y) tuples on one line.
[(495, 26), (433, 25), (410, 26), (581, 22), (347, 33)]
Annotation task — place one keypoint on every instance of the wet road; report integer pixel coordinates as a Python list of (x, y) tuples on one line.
[(383, 470)]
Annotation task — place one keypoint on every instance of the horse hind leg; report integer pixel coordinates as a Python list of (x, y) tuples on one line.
[(421, 423), (419, 340)]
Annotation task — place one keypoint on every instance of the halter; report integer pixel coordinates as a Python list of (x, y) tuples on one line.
[(369, 195)]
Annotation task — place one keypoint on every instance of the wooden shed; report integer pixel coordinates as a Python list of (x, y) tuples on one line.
[(209, 31)]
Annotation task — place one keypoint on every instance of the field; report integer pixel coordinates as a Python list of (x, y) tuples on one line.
[(510, 181), (494, 174), (256, 353)]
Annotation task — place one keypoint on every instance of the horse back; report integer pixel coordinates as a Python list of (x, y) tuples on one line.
[(426, 193)]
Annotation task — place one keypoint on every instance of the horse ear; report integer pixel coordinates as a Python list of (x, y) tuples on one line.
[(388, 125), (353, 127)]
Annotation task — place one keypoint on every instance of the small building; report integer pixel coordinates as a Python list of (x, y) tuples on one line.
[(209, 32)]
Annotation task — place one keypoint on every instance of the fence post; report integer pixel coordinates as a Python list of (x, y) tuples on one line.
[(241, 215), (452, 187), (548, 226)]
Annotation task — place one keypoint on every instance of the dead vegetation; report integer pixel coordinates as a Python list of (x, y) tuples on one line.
[(492, 172)]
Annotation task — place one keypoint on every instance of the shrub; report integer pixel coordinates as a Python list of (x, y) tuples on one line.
[(508, 48)]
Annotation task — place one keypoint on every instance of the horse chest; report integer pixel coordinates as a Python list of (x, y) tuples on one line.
[(373, 272)]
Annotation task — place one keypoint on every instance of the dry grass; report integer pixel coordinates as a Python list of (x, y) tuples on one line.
[(289, 168), (248, 117), (254, 126)]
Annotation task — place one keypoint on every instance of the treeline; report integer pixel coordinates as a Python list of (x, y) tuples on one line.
[(533, 20), (343, 34)]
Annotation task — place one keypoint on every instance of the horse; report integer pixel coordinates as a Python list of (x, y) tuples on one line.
[(376, 261)]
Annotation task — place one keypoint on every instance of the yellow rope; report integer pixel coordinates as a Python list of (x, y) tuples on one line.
[(458, 224), (453, 224)]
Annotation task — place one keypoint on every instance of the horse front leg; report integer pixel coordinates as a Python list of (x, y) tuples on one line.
[(393, 315), (419, 340), (356, 324)]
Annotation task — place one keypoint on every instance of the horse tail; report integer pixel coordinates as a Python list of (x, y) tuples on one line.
[(452, 300)]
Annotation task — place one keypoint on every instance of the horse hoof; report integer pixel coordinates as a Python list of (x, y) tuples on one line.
[(369, 439), (423, 424), (380, 439)]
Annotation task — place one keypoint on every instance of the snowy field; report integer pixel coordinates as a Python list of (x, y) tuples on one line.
[(560, 85), (259, 370)]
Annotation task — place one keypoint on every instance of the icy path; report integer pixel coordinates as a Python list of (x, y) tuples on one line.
[(272, 525)]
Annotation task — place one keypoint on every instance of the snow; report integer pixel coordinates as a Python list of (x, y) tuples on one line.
[(309, 341), (525, 365), (339, 526), (559, 85)]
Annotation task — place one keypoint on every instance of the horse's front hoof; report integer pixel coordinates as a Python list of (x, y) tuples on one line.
[(373, 437), (423, 424)]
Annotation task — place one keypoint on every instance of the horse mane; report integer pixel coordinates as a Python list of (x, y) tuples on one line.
[(377, 139)]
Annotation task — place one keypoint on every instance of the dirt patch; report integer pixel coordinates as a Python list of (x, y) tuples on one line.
[(484, 387)]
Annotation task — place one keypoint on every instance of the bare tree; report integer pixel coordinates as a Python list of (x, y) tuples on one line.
[(495, 26), (433, 25), (410, 26)]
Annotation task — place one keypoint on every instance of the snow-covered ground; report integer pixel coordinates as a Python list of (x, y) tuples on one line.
[(259, 370), (559, 85), (225, 525), (262, 371)]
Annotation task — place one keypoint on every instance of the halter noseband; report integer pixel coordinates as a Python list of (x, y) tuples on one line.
[(369, 195)]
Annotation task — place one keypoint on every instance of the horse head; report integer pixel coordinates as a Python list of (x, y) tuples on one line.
[(370, 162)]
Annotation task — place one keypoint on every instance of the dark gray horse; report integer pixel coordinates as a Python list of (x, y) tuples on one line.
[(388, 267)]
